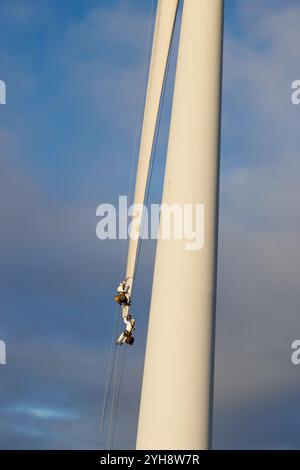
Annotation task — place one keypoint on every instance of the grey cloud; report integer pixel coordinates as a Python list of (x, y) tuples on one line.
[(58, 338), (258, 294)]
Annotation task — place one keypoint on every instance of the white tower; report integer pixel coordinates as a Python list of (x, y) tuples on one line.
[(176, 401)]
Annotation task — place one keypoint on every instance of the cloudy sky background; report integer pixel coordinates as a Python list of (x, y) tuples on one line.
[(75, 75)]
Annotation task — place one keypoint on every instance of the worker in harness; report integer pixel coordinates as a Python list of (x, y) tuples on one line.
[(126, 337), (123, 297), (124, 300)]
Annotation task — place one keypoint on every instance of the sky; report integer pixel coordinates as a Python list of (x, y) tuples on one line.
[(75, 73)]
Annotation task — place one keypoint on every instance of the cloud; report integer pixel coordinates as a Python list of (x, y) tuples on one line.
[(52, 416), (258, 294), (69, 155), (56, 278)]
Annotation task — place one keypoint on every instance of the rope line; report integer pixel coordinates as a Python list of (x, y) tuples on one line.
[(114, 395), (116, 400), (112, 366), (117, 403), (155, 141), (109, 369), (141, 108), (118, 385)]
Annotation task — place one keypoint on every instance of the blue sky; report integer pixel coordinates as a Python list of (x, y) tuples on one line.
[(75, 75)]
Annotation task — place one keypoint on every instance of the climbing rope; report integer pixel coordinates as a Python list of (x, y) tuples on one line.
[(117, 399), (118, 384), (112, 367), (155, 141)]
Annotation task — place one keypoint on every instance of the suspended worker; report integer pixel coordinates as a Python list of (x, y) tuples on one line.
[(126, 337), (123, 297), (124, 300)]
